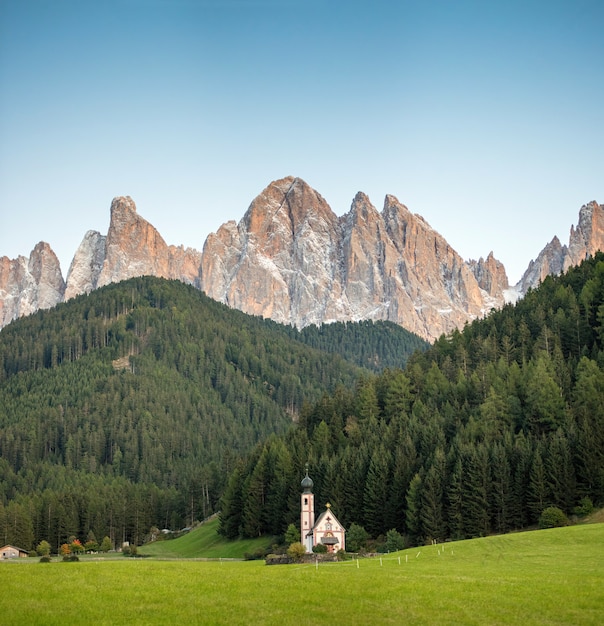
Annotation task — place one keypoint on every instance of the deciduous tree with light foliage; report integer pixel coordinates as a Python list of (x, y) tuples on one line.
[(292, 535)]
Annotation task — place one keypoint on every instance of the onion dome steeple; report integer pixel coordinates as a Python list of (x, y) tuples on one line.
[(307, 482)]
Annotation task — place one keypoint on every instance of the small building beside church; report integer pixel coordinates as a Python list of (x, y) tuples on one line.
[(326, 529)]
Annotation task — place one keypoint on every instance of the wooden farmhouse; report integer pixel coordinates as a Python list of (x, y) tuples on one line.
[(11, 552), (326, 529)]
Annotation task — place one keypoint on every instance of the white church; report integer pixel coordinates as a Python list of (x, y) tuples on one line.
[(326, 530)]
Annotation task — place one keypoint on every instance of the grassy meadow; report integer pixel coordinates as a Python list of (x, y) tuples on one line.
[(541, 577), (206, 542)]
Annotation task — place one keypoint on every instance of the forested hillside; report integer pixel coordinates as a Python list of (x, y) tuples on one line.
[(127, 408), (373, 345), (479, 434)]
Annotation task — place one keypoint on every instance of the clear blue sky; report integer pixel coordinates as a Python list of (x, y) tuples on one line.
[(487, 118)]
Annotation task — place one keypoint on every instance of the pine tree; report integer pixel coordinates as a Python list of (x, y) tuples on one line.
[(501, 489), (432, 510), (254, 499), (455, 501), (537, 493), (403, 469), (521, 456), (231, 506), (376, 491), (588, 396), (559, 472), (414, 504), (544, 398), (475, 504)]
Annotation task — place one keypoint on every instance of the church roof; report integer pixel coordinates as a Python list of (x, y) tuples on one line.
[(334, 520)]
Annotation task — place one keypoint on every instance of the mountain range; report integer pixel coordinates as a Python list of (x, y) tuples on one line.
[(292, 259)]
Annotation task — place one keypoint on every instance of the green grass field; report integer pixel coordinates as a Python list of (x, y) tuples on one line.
[(542, 577), (205, 542)]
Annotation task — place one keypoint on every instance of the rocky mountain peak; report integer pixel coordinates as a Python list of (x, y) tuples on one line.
[(361, 209), (133, 247), (86, 265), (290, 203), (291, 259), (122, 205), (30, 283), (549, 261), (264, 265), (588, 237), (491, 275), (584, 241)]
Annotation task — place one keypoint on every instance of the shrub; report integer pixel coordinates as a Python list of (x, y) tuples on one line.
[(278, 548), (296, 551), (129, 550), (45, 559), (394, 541), (552, 517), (91, 546), (256, 555), (71, 558), (105, 545), (319, 549), (586, 507), (43, 548), (33, 553)]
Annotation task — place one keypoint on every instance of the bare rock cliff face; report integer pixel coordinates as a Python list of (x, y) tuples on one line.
[(29, 284), (549, 261), (588, 237), (281, 260), (584, 241), (132, 247), (135, 248), (291, 259), (85, 268), (490, 274)]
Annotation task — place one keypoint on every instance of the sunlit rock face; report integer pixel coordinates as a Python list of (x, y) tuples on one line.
[(86, 266), (281, 260), (291, 259), (30, 283), (584, 241), (133, 247)]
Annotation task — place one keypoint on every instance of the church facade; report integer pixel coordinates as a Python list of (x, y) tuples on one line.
[(326, 529)]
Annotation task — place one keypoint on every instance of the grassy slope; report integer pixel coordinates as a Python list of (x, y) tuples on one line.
[(541, 577), (203, 542)]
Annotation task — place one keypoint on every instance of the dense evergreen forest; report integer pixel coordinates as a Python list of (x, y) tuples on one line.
[(129, 407), (477, 435)]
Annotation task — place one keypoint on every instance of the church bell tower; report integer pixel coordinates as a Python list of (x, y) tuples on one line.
[(307, 512)]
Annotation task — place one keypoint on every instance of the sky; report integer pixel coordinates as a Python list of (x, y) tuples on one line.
[(485, 117)]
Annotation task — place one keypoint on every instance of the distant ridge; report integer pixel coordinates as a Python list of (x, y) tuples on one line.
[(291, 259)]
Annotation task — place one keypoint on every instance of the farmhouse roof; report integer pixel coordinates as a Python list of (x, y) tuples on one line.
[(8, 546)]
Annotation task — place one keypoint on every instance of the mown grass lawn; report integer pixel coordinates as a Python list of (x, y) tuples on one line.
[(542, 577)]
